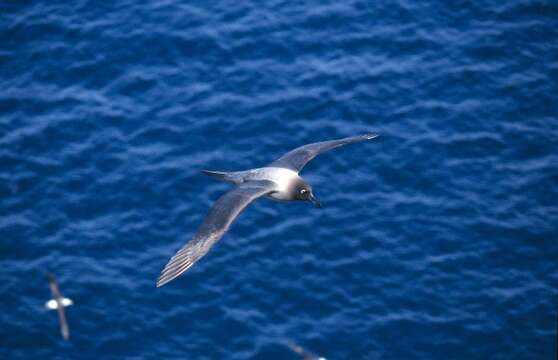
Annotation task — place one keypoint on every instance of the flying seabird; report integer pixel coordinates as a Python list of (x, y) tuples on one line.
[(58, 302), (306, 355), (278, 180)]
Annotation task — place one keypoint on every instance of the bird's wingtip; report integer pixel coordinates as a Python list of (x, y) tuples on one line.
[(50, 277), (161, 282), (371, 136), (166, 277)]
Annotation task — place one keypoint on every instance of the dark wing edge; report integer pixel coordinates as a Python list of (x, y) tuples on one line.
[(299, 157), (220, 217)]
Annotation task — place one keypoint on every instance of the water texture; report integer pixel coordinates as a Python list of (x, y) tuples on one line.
[(438, 240)]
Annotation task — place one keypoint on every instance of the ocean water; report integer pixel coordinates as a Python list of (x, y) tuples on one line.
[(438, 240)]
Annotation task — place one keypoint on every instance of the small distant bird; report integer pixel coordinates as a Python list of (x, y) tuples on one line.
[(58, 303), (306, 355), (279, 181)]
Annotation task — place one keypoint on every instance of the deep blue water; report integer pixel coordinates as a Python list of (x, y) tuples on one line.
[(438, 240)]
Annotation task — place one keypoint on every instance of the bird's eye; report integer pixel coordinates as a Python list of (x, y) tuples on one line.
[(303, 192)]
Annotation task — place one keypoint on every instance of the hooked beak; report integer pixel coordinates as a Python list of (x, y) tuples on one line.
[(315, 201)]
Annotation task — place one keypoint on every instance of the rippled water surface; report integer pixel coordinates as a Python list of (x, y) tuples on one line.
[(438, 240)]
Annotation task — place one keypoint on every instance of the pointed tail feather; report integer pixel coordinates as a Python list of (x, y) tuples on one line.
[(216, 174)]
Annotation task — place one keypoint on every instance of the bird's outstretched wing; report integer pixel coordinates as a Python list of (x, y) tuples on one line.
[(217, 222), (297, 158), (302, 352), (53, 284)]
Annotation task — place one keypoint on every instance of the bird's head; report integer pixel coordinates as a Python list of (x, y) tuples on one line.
[(303, 192)]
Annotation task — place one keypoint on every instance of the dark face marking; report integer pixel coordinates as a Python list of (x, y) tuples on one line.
[(303, 193), (299, 190)]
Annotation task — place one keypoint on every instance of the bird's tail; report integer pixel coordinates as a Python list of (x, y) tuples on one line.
[(221, 175), (216, 174)]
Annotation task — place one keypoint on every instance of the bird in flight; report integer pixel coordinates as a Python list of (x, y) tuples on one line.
[(306, 355), (58, 303), (278, 180)]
